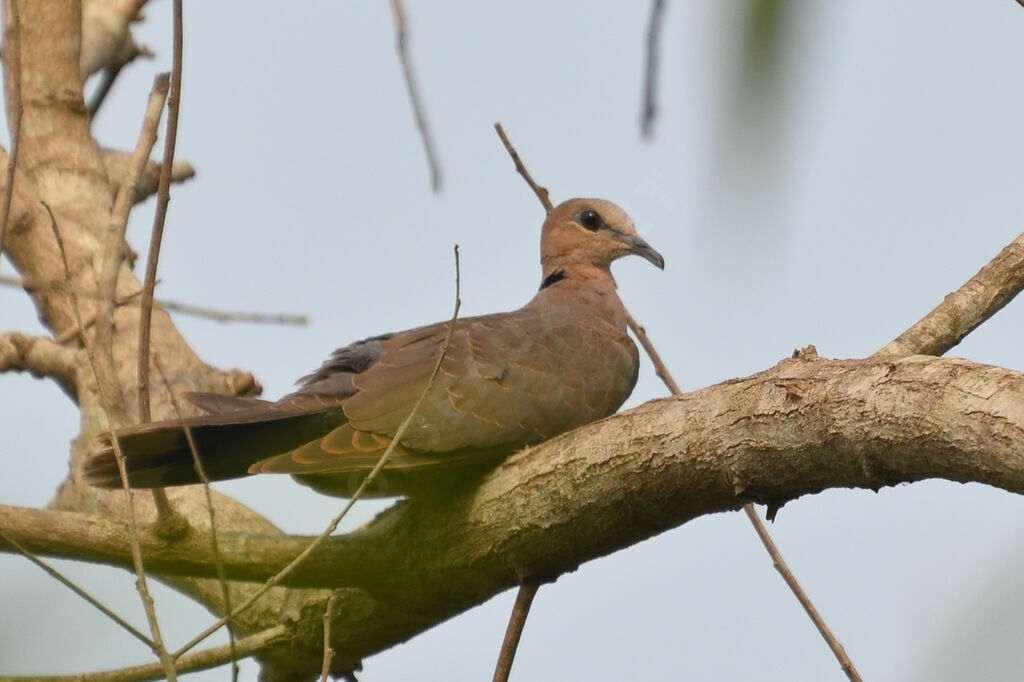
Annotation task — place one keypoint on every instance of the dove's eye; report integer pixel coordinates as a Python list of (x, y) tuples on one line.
[(590, 220)]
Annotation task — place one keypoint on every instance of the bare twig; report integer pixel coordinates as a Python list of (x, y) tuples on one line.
[(71, 333), (325, 669), (202, 660), (163, 198), (107, 78), (666, 377), (414, 96), (205, 480), (12, 55), (233, 316), (166, 662), (68, 583), (541, 192), (333, 525), (166, 304), (520, 610), (650, 108), (959, 313), (801, 596), (659, 366), (113, 257), (762, 531), (163, 504)]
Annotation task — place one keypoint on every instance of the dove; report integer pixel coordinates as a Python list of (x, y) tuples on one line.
[(506, 381)]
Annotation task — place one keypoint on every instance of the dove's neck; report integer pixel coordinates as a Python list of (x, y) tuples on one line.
[(577, 284)]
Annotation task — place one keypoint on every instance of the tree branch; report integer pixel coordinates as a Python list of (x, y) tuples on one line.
[(803, 426), (42, 357), (961, 312)]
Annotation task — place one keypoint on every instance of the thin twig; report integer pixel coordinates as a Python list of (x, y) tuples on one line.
[(205, 480), (541, 192), (762, 532), (166, 662), (107, 78), (167, 304), (414, 96), (163, 198), (659, 366), (367, 481), (650, 108), (233, 316), (325, 669), (68, 583), (110, 267), (801, 596), (520, 610), (201, 660), (12, 55), (165, 513), (666, 377)]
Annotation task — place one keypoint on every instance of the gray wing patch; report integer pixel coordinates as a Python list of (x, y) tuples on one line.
[(335, 376)]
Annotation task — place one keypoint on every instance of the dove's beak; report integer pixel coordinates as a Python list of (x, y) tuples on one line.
[(643, 249)]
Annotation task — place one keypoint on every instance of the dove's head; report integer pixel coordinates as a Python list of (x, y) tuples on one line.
[(590, 233)]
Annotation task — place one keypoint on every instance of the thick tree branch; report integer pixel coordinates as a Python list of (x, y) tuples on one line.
[(41, 357), (804, 426)]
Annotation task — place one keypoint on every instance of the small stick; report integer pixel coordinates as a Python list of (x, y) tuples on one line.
[(801, 596), (110, 266), (414, 96), (762, 532), (163, 198), (166, 304), (233, 316), (166, 662), (12, 55), (163, 505), (333, 525), (108, 76), (68, 583), (516, 622), (659, 366), (325, 670), (650, 108), (202, 660), (205, 480), (541, 192), (666, 377)]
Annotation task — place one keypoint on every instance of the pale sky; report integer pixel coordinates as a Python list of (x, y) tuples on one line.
[(886, 172)]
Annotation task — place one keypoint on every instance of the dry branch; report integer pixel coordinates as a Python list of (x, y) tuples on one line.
[(961, 312), (650, 100), (41, 357), (402, 47), (804, 426)]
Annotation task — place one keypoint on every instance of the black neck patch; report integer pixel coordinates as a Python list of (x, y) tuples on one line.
[(556, 276)]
